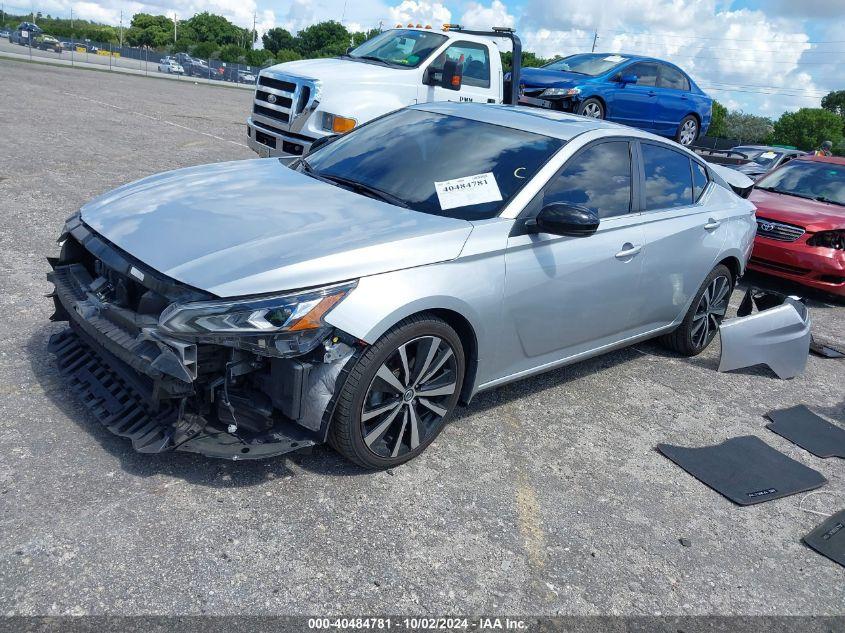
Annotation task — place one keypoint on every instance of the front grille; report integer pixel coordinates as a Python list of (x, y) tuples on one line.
[(281, 99), (778, 230), (778, 266)]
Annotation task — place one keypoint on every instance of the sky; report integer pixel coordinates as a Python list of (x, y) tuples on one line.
[(760, 56)]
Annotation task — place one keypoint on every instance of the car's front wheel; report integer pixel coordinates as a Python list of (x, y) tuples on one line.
[(687, 131), (705, 314), (591, 108), (400, 393)]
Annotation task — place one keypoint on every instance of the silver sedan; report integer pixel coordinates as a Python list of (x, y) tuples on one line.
[(359, 295)]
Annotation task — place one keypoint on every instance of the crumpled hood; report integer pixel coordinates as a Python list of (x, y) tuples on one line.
[(333, 71), (813, 215), (256, 226), (542, 78)]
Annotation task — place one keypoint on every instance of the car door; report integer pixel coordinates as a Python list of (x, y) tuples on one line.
[(683, 234), (476, 80), (566, 296), (673, 102), (634, 103)]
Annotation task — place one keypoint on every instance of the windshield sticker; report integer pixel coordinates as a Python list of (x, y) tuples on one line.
[(614, 58), (466, 191), (768, 155)]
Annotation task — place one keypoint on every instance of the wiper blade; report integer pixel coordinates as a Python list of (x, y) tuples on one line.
[(787, 193), (829, 200), (368, 190)]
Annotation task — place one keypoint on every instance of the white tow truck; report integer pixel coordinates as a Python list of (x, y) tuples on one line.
[(297, 103)]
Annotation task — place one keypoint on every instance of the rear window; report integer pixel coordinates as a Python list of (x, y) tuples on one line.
[(436, 163)]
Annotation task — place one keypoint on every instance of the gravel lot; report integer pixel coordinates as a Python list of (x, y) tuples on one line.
[(543, 497)]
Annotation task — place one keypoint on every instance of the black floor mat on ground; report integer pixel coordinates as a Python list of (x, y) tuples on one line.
[(803, 427), (745, 469), (828, 539)]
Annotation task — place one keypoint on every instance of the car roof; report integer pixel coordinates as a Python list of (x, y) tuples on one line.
[(835, 160), (537, 120)]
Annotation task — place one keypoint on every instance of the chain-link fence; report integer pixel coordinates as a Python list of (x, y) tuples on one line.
[(31, 44)]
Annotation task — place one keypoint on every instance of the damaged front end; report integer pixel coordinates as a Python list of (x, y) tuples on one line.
[(175, 368)]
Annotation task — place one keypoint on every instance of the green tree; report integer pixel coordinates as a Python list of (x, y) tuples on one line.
[(232, 54), (207, 27), (529, 60), (718, 127), (286, 55), (748, 128), (204, 50), (835, 102), (277, 39), (324, 39), (258, 57), (807, 128), (359, 37)]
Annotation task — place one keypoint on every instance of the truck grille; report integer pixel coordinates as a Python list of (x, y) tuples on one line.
[(778, 230), (279, 98)]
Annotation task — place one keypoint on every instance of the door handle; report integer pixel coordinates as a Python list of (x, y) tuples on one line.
[(712, 224), (628, 250)]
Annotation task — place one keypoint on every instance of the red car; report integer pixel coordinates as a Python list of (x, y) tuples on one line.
[(801, 223)]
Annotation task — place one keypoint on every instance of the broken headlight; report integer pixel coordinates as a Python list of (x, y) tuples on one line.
[(280, 325), (828, 239)]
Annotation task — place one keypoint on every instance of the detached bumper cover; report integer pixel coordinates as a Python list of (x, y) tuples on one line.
[(778, 335)]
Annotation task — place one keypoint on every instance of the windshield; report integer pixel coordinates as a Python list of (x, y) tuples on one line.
[(592, 64), (434, 163), (405, 48), (760, 156), (808, 179)]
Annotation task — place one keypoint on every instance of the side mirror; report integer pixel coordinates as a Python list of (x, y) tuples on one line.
[(628, 79), (558, 218), (452, 76)]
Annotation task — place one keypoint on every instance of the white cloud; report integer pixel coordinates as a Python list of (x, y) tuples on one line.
[(420, 12), (478, 16)]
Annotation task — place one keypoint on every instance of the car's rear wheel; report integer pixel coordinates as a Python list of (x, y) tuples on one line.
[(591, 108), (687, 131), (705, 314), (400, 394)]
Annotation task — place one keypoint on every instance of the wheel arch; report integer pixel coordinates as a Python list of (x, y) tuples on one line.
[(466, 333), (734, 265), (598, 97)]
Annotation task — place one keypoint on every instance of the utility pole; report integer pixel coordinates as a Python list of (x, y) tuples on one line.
[(175, 22), (595, 37), (121, 29), (254, 35)]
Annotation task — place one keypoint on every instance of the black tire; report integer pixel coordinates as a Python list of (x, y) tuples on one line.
[(688, 130), (592, 108), (686, 338), (349, 434)]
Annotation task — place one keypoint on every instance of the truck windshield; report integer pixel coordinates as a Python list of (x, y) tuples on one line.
[(434, 163), (592, 64), (402, 48)]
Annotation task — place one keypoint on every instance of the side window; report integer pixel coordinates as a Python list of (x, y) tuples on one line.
[(598, 178), (673, 78), (668, 179), (475, 59), (646, 73), (699, 180)]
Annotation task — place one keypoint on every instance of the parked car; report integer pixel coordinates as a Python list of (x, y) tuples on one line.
[(642, 92), (764, 158), (394, 69), (170, 66), (48, 43), (359, 295), (246, 77), (5, 33), (25, 34), (801, 223)]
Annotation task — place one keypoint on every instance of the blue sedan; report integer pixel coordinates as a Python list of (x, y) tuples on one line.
[(642, 92)]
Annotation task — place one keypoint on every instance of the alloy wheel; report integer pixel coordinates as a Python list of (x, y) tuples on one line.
[(710, 311), (592, 110), (689, 130), (407, 399)]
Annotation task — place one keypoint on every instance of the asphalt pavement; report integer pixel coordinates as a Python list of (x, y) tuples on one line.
[(542, 497)]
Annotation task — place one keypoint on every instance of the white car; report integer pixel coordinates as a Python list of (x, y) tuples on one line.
[(170, 66)]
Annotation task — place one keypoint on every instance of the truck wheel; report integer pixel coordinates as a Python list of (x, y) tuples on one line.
[(687, 130), (704, 316), (591, 108), (400, 393)]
